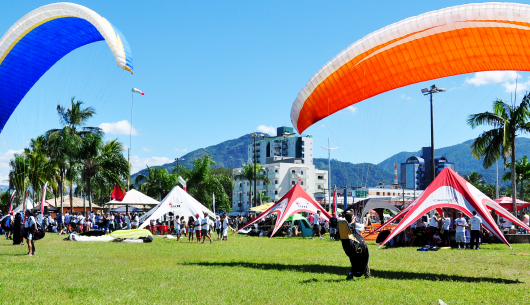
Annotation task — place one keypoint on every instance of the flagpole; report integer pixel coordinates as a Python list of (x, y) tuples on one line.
[(130, 142)]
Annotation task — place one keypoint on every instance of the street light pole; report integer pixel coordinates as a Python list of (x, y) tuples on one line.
[(429, 92), (329, 149), (178, 159)]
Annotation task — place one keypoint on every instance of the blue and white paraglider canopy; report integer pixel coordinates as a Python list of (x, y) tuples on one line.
[(41, 38)]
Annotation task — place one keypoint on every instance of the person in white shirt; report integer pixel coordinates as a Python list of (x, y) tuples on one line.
[(446, 224), (506, 223), (434, 221), (461, 225), (136, 220), (218, 227), (226, 225), (30, 226), (316, 225), (476, 230), (197, 227), (127, 219), (205, 224), (177, 224)]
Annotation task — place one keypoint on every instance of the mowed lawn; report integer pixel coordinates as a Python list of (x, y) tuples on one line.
[(253, 270)]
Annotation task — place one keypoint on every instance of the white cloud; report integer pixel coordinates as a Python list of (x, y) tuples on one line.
[(405, 97), (352, 109), (140, 163), (121, 127), (271, 131), (492, 77), (182, 150), (521, 86), (146, 149), (4, 164)]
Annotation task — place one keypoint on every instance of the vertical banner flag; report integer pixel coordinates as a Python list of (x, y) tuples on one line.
[(11, 201), (24, 202), (213, 200), (335, 201), (43, 198), (345, 199)]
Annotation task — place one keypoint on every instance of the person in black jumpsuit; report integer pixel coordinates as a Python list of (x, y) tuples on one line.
[(355, 247), (18, 236)]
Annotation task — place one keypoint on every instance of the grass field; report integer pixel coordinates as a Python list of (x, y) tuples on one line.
[(248, 270)]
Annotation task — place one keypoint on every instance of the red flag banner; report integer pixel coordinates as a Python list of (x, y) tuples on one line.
[(118, 193)]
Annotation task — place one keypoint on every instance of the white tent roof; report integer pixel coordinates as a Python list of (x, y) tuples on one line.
[(135, 197), (29, 205), (178, 202)]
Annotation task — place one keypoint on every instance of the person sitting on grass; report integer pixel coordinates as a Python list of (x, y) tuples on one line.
[(409, 236), (436, 239)]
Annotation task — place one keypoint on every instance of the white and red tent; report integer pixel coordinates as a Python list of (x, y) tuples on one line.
[(449, 190), (295, 201)]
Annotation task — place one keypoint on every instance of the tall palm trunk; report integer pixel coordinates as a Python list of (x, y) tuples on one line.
[(514, 187), (61, 191), (89, 194), (84, 202), (71, 196), (250, 197)]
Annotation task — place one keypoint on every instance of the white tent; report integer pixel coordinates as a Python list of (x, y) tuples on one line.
[(133, 197), (178, 202), (29, 205)]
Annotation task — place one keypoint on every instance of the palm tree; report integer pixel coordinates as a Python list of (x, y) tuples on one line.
[(508, 122), (248, 174), (157, 182), (522, 169), (202, 184), (18, 175), (475, 179), (64, 143), (102, 161)]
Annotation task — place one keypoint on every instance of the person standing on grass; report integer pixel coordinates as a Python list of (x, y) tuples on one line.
[(435, 220), (197, 226), (446, 225), (226, 225), (333, 222), (461, 225), (476, 229), (136, 221), (10, 223), (316, 225), (191, 221), (205, 224), (177, 226), (218, 227), (30, 228), (67, 220)]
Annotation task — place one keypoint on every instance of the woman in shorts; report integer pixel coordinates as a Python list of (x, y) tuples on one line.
[(190, 229), (30, 227), (198, 228)]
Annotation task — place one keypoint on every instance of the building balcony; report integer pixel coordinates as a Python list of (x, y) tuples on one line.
[(273, 175), (320, 181), (261, 187), (296, 176), (238, 188)]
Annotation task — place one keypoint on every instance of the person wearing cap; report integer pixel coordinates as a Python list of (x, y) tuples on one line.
[(205, 224), (30, 227), (9, 223), (198, 227)]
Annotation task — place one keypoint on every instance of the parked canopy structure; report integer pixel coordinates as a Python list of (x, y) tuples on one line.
[(451, 41), (178, 202), (297, 200), (450, 190)]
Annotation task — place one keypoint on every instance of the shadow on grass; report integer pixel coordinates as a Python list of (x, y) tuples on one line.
[(338, 270)]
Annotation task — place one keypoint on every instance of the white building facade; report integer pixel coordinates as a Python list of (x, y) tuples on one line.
[(286, 160)]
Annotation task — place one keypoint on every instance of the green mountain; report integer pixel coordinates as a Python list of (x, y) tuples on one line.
[(465, 163), (233, 153)]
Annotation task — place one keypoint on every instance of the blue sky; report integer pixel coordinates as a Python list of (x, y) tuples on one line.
[(215, 70)]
